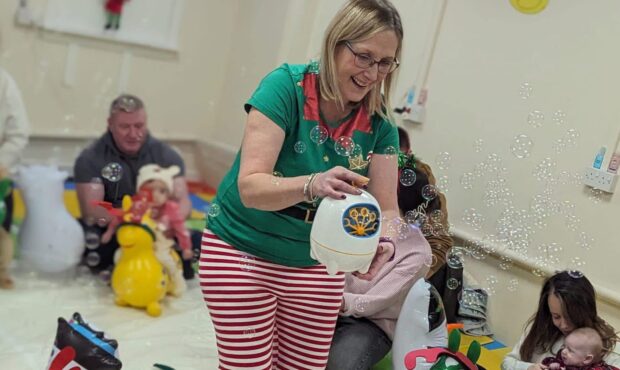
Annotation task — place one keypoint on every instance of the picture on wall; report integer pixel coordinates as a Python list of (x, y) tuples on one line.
[(142, 22)]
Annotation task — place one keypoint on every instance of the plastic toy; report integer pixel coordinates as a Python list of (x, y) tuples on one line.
[(50, 239), (138, 279), (345, 233), (79, 346), (446, 358), (421, 324)]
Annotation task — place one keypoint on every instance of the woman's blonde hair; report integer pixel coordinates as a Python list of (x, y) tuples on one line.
[(359, 20)]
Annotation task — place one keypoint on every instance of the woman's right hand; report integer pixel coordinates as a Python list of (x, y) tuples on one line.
[(337, 182)]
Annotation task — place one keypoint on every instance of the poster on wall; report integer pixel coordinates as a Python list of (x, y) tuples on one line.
[(142, 22)]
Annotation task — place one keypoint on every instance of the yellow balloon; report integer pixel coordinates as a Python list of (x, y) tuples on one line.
[(138, 279), (529, 6)]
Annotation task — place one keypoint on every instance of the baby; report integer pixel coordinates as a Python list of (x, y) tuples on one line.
[(165, 212), (583, 350)]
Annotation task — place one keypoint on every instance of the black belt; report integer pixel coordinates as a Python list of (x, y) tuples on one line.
[(304, 214)]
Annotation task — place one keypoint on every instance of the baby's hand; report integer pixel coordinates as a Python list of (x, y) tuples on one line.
[(187, 254), (107, 236), (555, 366)]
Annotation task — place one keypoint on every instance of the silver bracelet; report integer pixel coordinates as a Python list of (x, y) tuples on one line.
[(308, 196)]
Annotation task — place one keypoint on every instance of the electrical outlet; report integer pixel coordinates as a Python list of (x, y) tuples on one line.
[(599, 179)]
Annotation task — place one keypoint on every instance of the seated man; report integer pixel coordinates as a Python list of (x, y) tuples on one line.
[(365, 329), (107, 170)]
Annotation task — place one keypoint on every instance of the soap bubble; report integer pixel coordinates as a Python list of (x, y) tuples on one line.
[(247, 262), (455, 257), (521, 146), (513, 284), (390, 151), (436, 216), (91, 240), (300, 147), (535, 118), (361, 303), (93, 259), (319, 134), (214, 210), (452, 284), (525, 90), (429, 192), (344, 146), (407, 177), (112, 172), (357, 151), (559, 117), (478, 145)]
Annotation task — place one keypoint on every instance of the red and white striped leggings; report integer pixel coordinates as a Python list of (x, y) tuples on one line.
[(267, 316)]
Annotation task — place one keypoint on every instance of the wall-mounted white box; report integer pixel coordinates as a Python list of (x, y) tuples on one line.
[(600, 179)]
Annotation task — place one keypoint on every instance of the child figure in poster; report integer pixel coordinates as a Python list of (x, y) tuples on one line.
[(114, 9)]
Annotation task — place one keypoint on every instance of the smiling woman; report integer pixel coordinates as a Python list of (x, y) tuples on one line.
[(313, 131)]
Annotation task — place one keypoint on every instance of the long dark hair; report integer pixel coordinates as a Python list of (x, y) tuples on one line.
[(578, 299)]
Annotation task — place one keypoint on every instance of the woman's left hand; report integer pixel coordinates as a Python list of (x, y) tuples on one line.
[(385, 251)]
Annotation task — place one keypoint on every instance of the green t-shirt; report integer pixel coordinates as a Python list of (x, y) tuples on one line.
[(288, 97)]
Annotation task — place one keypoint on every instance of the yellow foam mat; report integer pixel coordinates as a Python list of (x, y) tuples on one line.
[(489, 359)]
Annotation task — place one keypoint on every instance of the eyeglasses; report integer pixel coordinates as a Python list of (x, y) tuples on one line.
[(366, 61)]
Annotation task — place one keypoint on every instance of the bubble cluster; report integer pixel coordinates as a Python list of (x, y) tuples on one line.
[(467, 180), (544, 170), (443, 160), (472, 218)]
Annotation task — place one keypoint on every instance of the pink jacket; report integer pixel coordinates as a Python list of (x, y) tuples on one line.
[(381, 299), (169, 220)]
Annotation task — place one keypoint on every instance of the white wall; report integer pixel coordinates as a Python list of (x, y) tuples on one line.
[(485, 52), (182, 90)]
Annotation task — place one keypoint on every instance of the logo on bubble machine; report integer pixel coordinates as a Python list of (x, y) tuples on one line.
[(361, 220)]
